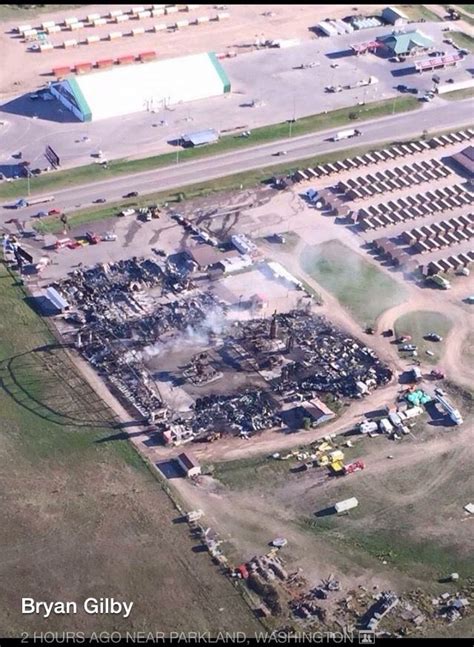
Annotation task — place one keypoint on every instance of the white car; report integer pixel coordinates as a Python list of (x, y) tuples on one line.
[(109, 236)]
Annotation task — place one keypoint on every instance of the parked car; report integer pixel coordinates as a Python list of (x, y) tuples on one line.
[(100, 201), (132, 194), (408, 347), (109, 236), (432, 336), (54, 212)]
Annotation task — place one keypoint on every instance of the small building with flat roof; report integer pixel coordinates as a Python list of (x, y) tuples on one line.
[(394, 16), (188, 462), (465, 160), (200, 138)]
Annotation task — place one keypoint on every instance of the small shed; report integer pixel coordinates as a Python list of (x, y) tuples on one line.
[(200, 138), (189, 464), (394, 16)]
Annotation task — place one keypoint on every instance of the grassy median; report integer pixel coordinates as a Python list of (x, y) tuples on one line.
[(267, 134)]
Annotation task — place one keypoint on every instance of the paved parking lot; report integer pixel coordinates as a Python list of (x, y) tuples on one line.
[(268, 76)]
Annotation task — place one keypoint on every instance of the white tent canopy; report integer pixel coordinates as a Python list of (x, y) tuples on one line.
[(147, 86)]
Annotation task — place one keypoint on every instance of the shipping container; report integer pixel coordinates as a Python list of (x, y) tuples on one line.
[(347, 504)]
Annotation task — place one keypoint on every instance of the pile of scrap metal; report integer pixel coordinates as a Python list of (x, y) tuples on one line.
[(245, 413), (306, 607), (451, 607), (385, 602)]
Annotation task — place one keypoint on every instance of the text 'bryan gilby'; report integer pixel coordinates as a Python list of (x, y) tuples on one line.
[(92, 606)]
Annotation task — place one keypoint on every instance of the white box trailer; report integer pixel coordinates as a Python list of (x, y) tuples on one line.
[(47, 23), (346, 134), (70, 21), (347, 504), (57, 300)]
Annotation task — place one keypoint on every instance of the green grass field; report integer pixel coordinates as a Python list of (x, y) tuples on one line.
[(417, 324), (418, 12), (22, 12), (358, 285), (462, 39), (84, 516), (227, 143), (459, 95)]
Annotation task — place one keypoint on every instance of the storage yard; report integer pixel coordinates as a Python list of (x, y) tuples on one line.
[(291, 361)]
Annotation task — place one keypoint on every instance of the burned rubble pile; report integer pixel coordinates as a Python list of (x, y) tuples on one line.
[(319, 358), (117, 318), (243, 413)]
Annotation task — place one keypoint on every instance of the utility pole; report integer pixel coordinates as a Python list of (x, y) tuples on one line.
[(292, 121)]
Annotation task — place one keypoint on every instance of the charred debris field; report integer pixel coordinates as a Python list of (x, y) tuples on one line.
[(190, 364)]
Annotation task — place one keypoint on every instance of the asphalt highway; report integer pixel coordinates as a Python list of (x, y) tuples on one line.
[(437, 116)]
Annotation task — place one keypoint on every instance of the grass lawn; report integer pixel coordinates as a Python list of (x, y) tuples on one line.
[(255, 471), (458, 95), (227, 143), (84, 514), (418, 12), (417, 324), (12, 11), (358, 285), (462, 39)]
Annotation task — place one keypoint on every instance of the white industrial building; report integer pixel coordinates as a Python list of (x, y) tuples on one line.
[(149, 86)]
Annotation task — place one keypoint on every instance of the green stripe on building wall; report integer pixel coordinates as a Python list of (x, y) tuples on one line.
[(81, 101), (220, 71)]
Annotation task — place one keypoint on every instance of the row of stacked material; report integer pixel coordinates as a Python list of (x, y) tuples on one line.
[(96, 19), (137, 31), (413, 206), (441, 234), (367, 159), (452, 138), (383, 155), (105, 63), (396, 179), (451, 263), (397, 256)]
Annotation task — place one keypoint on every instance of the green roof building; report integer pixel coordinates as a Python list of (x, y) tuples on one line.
[(404, 43)]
